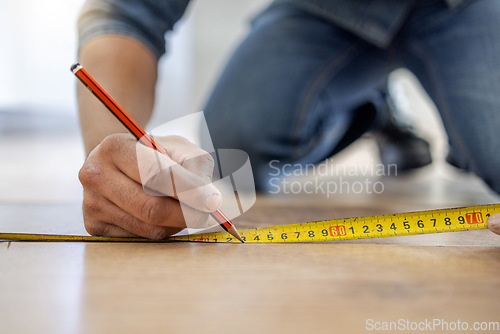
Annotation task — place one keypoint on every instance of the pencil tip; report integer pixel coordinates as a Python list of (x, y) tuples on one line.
[(234, 232)]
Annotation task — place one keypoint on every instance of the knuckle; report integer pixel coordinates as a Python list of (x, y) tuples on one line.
[(96, 228), (107, 144), (208, 161), (90, 173), (112, 139), (152, 210), (91, 209), (158, 233), (91, 205), (90, 227), (200, 160), (114, 142)]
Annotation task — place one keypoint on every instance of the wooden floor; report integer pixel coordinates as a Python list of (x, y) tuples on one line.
[(333, 287)]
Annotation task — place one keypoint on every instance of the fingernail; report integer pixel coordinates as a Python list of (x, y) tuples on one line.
[(494, 223), (213, 202)]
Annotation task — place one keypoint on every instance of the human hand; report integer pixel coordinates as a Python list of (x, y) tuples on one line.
[(115, 203), (494, 223)]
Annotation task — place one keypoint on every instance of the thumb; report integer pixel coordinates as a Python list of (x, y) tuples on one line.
[(494, 223)]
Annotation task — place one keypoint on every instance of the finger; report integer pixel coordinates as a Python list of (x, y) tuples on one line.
[(119, 150), (159, 212), (494, 223), (102, 217), (128, 195), (101, 229), (189, 156), (92, 219), (161, 174)]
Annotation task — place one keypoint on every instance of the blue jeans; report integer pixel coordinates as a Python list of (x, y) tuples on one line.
[(292, 90)]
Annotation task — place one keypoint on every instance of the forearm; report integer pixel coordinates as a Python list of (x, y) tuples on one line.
[(127, 70)]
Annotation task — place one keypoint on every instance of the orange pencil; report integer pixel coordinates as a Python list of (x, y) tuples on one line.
[(139, 133)]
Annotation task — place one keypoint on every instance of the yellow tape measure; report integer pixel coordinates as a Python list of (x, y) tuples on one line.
[(422, 222), (399, 224)]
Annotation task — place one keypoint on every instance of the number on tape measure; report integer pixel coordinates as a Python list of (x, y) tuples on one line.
[(422, 222)]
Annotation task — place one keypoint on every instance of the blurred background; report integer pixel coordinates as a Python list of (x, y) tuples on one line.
[(40, 147)]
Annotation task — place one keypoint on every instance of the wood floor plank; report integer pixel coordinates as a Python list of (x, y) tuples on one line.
[(187, 288)]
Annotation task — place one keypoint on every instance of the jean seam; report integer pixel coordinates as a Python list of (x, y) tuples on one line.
[(318, 83), (441, 102)]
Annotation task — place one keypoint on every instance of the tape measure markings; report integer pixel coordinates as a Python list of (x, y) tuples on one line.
[(399, 224), (411, 223)]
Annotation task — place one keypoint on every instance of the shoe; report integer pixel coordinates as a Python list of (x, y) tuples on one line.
[(401, 150)]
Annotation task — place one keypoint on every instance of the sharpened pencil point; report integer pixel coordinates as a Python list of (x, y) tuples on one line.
[(234, 232)]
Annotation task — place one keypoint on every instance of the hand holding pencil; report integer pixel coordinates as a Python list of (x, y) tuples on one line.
[(114, 201)]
